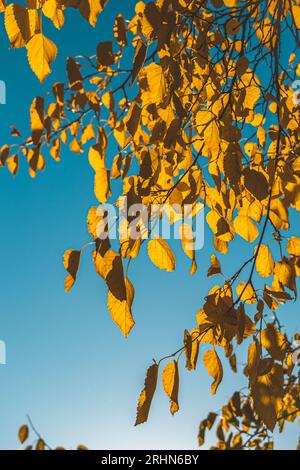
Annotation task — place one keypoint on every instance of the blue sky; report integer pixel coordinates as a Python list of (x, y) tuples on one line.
[(68, 366)]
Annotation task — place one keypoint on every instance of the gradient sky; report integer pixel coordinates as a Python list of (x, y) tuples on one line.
[(68, 365)]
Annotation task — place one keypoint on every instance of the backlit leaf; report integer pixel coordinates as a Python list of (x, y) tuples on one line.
[(41, 53), (161, 254), (170, 378), (214, 367)]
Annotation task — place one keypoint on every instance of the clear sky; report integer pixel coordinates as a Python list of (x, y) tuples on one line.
[(68, 365)]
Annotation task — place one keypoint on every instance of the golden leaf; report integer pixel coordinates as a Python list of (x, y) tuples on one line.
[(52, 10), (264, 261), (102, 185), (267, 393), (21, 24), (120, 311), (37, 119), (214, 367), (246, 293), (161, 254), (147, 394), (188, 244), (155, 89), (40, 445), (170, 379), (293, 245), (13, 164), (296, 15), (215, 267), (246, 228), (274, 342), (71, 263), (219, 226), (41, 52), (97, 157), (23, 433)]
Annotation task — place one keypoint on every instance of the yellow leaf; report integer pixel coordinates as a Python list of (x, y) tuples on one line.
[(41, 52), (37, 119), (71, 263), (246, 228), (2, 5), (23, 433), (215, 267), (13, 164), (267, 393), (21, 24), (219, 226), (279, 215), (40, 445), (254, 355), (246, 293), (120, 312), (214, 366), (161, 254), (170, 379), (102, 185), (285, 274), (296, 15), (129, 292), (188, 244), (108, 100), (54, 12), (94, 220), (146, 395), (264, 261), (97, 157), (220, 245), (154, 90), (293, 245), (274, 342)]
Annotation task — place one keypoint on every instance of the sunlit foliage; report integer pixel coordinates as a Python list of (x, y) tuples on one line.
[(195, 99)]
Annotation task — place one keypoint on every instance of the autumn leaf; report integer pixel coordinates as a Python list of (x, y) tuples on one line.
[(147, 394), (170, 378), (293, 246), (41, 52), (120, 311), (71, 264), (215, 267), (267, 393), (214, 367), (246, 293), (264, 261), (274, 342), (246, 228), (37, 119), (23, 433), (52, 10), (161, 254), (21, 24)]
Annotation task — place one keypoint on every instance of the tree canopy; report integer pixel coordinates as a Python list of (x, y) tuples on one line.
[(196, 101)]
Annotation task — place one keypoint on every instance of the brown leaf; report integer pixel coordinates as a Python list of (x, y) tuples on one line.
[(147, 394)]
